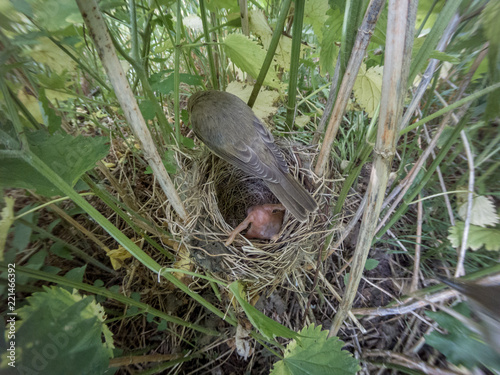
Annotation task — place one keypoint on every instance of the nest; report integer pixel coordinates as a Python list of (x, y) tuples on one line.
[(217, 196)]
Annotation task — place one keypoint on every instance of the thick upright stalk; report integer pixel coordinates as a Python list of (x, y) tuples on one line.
[(99, 33), (400, 28), (298, 20), (357, 55)]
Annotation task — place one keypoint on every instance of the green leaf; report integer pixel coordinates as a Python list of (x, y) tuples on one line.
[(50, 118), (76, 274), (442, 56), (247, 55), (371, 264), (368, 88), (483, 210), (147, 109), (166, 86), (60, 250), (168, 161), (55, 15), (315, 14), (215, 5), (478, 237), (61, 332), (267, 326), (316, 354), (460, 345), (68, 156), (332, 34)]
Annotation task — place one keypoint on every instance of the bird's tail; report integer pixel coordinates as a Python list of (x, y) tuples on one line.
[(293, 196)]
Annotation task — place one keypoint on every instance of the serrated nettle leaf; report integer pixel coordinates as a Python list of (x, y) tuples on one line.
[(71, 325), (247, 55), (315, 353), (478, 237), (315, 14), (483, 210), (268, 327), (368, 88), (68, 156), (332, 34)]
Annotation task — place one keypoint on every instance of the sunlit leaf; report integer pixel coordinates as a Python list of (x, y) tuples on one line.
[(483, 210), (263, 107), (368, 88), (314, 353), (249, 57), (478, 237)]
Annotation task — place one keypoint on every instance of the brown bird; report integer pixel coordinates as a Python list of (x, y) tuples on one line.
[(231, 130)]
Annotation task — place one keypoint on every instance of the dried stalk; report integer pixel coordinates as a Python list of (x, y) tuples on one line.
[(358, 52), (400, 29), (100, 35)]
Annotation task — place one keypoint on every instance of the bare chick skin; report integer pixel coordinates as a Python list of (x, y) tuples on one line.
[(230, 129)]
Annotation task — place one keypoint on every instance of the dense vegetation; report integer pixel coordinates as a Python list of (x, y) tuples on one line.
[(114, 214)]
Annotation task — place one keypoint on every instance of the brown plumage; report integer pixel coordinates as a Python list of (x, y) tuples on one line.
[(231, 130)]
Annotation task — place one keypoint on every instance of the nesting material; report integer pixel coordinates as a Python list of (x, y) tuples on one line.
[(217, 196)]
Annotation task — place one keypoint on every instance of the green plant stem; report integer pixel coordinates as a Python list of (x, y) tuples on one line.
[(108, 199), (48, 204), (208, 46), (451, 107), (298, 20), (177, 68), (278, 30), (40, 275), (79, 253), (430, 171)]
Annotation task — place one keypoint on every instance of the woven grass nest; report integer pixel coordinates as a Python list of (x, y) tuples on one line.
[(217, 196)]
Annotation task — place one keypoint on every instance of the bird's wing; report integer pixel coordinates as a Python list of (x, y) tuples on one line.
[(268, 140)]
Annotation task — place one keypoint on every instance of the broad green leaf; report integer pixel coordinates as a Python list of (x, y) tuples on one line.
[(147, 109), (483, 210), (259, 26), (478, 237), (55, 15), (267, 326), (315, 15), (47, 53), (315, 353), (61, 333), (249, 57), (7, 218), (460, 345), (444, 57), (368, 88), (69, 156), (332, 34), (263, 107)]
